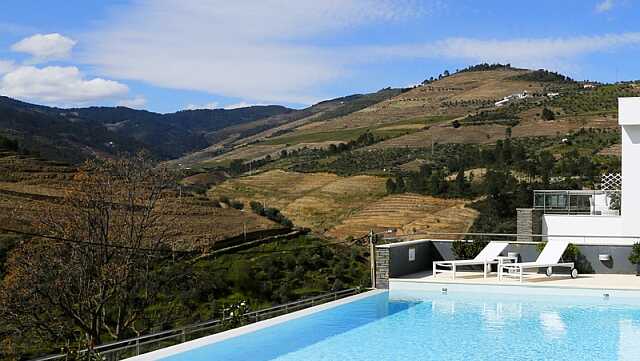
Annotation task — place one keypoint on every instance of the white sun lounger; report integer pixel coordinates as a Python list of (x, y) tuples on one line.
[(549, 257), (486, 257)]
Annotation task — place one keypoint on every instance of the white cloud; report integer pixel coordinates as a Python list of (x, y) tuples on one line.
[(45, 47), (58, 85), (6, 66), (531, 53), (604, 6), (211, 105), (241, 105), (250, 50), (137, 102)]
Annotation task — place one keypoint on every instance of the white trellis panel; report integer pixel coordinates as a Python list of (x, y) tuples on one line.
[(611, 182)]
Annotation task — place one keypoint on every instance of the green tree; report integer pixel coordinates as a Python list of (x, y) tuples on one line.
[(391, 186), (547, 114), (400, 185)]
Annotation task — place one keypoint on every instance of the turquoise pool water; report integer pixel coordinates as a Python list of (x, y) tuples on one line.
[(412, 325)]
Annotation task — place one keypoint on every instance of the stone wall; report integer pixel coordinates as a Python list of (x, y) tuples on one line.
[(382, 268), (529, 222)]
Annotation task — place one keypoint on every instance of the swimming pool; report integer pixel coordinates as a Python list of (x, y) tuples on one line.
[(431, 325)]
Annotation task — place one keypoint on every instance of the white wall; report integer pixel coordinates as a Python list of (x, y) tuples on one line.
[(631, 178), (593, 226)]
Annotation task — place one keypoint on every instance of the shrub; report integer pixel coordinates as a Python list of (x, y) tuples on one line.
[(634, 257), (547, 114), (464, 249)]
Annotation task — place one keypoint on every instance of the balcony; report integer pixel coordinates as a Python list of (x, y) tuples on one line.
[(578, 202)]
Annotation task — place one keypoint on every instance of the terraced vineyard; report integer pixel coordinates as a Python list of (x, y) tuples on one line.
[(347, 206), (315, 200), (30, 185), (408, 214), (424, 114)]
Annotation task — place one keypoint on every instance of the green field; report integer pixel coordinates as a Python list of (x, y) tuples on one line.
[(345, 135)]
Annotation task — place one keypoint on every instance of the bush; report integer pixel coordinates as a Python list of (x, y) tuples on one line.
[(547, 114), (257, 207), (634, 257), (464, 249), (237, 205), (9, 144), (271, 213)]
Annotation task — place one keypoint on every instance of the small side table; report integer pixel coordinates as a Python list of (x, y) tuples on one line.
[(502, 260)]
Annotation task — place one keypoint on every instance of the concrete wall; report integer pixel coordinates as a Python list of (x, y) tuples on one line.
[(578, 225), (398, 256)]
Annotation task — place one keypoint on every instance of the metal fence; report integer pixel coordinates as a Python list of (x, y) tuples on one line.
[(135, 346)]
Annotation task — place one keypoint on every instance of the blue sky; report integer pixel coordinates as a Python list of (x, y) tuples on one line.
[(166, 55)]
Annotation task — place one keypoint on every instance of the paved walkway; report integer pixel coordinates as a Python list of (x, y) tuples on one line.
[(594, 281)]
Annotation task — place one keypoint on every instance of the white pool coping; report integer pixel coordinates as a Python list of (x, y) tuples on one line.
[(627, 286), (221, 336)]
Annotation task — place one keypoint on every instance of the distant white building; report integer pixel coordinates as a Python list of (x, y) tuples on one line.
[(501, 102), (511, 97)]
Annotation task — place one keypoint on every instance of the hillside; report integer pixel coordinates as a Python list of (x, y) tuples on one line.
[(327, 167), (75, 134), (28, 185), (233, 141), (459, 108), (343, 207)]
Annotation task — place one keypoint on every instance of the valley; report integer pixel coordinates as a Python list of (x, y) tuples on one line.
[(273, 204)]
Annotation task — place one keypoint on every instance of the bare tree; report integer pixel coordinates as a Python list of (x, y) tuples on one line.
[(98, 273)]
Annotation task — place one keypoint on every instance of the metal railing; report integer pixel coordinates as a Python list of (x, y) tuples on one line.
[(119, 350), (579, 239), (578, 202)]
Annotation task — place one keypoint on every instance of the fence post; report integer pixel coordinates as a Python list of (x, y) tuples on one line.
[(184, 335), (372, 257), (137, 346)]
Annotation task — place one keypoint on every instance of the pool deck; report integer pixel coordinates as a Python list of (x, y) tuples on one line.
[(586, 281)]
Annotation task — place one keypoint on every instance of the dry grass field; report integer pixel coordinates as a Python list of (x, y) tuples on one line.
[(28, 186), (257, 151), (315, 200), (430, 99), (206, 179), (614, 150), (487, 134), (347, 206), (478, 174), (408, 214)]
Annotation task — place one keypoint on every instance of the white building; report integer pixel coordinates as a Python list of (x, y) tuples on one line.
[(592, 217), (513, 96)]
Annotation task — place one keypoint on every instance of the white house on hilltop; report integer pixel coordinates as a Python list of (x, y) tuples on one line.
[(609, 216)]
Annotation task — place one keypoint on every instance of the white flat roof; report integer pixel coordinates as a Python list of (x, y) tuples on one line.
[(629, 111)]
